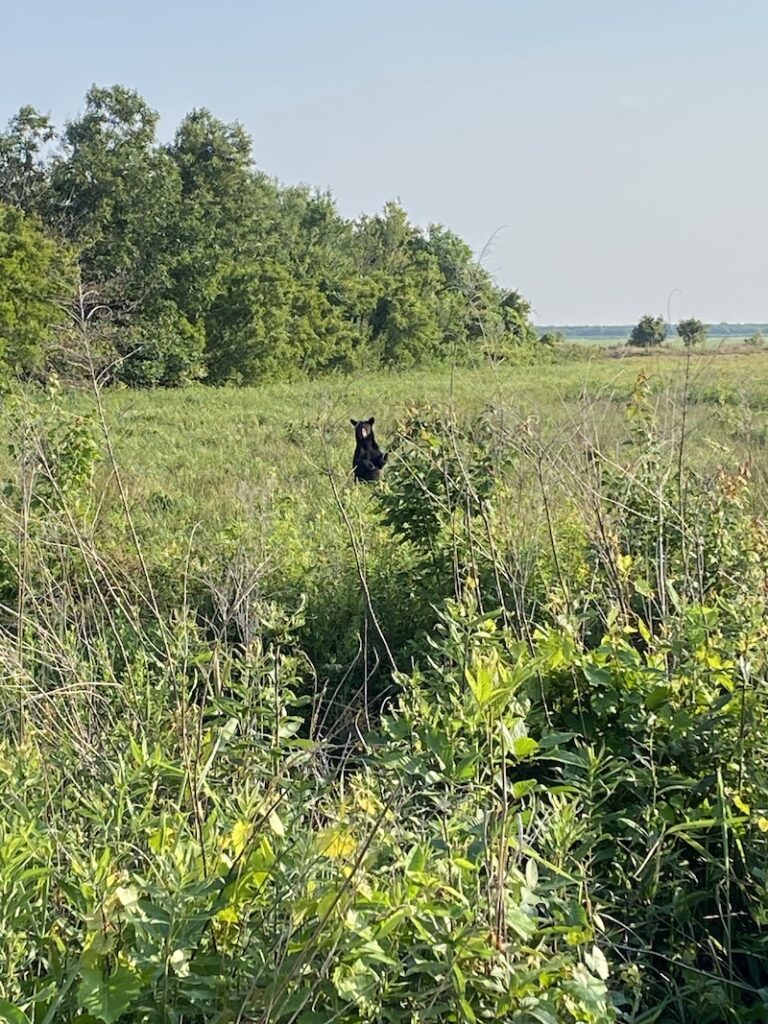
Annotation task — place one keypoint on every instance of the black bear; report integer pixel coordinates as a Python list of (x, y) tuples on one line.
[(368, 460)]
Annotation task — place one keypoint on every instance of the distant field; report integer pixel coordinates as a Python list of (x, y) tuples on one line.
[(608, 342), (213, 451), (205, 455), (601, 342), (216, 475), (209, 472)]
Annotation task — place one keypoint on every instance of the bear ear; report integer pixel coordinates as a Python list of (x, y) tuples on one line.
[(386, 456), (371, 420), (353, 422)]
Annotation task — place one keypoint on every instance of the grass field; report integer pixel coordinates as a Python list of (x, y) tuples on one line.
[(488, 741), (620, 340), (263, 476), (214, 450)]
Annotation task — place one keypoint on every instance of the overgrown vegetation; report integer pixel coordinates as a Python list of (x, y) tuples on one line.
[(486, 742), (36, 279)]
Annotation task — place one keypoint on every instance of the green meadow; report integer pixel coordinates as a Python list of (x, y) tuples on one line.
[(485, 741)]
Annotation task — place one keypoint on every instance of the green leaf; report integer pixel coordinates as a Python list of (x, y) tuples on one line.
[(355, 983), (524, 746), (543, 1016), (467, 1013), (674, 597), (179, 961), (465, 769), (391, 922), (596, 676), (459, 980), (645, 633), (276, 824), (12, 1014), (659, 695), (127, 896), (108, 996), (481, 685), (555, 739), (464, 864), (416, 860)]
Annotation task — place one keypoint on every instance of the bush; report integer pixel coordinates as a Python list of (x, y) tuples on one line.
[(37, 281), (164, 351), (648, 332)]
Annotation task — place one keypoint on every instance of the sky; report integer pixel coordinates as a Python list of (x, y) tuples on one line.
[(607, 158)]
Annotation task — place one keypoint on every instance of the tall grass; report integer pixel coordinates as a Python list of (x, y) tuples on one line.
[(484, 743)]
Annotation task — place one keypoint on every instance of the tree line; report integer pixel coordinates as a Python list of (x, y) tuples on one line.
[(653, 330), (189, 263)]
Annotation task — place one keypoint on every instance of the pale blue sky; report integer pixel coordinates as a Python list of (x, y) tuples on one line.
[(619, 145)]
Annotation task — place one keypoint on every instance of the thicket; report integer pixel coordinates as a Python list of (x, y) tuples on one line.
[(534, 792), (194, 264)]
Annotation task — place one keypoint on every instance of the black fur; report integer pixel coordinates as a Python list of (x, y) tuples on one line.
[(368, 460)]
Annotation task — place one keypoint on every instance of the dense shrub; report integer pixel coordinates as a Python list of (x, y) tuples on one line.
[(205, 268)]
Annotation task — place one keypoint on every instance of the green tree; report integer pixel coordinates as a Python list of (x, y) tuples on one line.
[(312, 235), (462, 282), (37, 277), (552, 338), (117, 195), (331, 301), (408, 326), (248, 327), (383, 241), (227, 212), (161, 350), (693, 332), (24, 173), (206, 266), (516, 314), (647, 332), (406, 284), (453, 255), (114, 193)]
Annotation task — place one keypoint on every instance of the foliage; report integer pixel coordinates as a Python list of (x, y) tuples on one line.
[(553, 811), (36, 278), (163, 351), (552, 338), (692, 331), (440, 471), (112, 192), (648, 332), (205, 268), (23, 172)]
